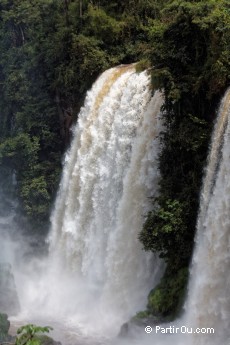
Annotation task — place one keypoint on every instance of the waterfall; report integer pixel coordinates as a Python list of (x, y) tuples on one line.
[(98, 274), (109, 174), (208, 302)]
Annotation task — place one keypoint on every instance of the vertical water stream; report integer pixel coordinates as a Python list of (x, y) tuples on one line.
[(98, 276)]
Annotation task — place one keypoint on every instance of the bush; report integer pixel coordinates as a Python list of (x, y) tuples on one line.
[(167, 298)]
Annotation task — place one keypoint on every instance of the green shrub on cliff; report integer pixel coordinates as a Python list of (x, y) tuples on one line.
[(167, 298)]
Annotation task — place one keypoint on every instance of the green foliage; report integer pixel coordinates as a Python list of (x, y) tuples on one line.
[(30, 144), (20, 152), (21, 155), (142, 65), (188, 47), (167, 298), (142, 315), (51, 53), (164, 229), (28, 334), (87, 61), (36, 197), (99, 24)]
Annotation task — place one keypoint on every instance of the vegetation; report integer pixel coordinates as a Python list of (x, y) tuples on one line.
[(190, 41), (30, 334), (26, 335), (51, 53), (167, 298)]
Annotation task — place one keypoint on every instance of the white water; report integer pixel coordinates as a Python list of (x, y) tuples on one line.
[(208, 301), (209, 289), (97, 275)]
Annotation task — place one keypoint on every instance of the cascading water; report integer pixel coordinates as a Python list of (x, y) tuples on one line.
[(208, 303), (98, 276)]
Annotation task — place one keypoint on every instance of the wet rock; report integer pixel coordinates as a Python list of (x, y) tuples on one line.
[(45, 340), (4, 328), (132, 327)]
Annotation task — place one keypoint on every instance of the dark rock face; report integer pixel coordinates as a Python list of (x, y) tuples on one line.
[(135, 325), (8, 296), (4, 328), (45, 340)]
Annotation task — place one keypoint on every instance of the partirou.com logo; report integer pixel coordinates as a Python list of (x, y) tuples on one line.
[(174, 330)]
